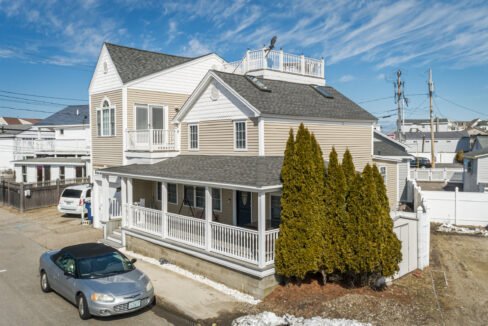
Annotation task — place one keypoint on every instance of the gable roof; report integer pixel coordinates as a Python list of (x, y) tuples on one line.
[(476, 154), (284, 98), (68, 116), (134, 63), (483, 141), (385, 146)]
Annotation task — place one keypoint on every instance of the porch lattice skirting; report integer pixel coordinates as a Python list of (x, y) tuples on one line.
[(227, 240)]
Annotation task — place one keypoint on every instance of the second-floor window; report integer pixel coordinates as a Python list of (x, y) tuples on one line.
[(24, 173), (193, 136), (106, 120), (240, 142)]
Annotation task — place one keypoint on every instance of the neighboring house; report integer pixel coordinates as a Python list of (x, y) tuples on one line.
[(8, 135), (423, 125), (447, 144), (18, 121), (480, 142), (393, 161), (476, 170), (207, 196), (68, 147)]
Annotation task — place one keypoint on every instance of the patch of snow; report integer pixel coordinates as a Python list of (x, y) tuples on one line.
[(270, 319), (449, 228), (239, 296)]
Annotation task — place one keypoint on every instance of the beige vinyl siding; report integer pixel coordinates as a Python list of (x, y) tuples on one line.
[(391, 180), (358, 138), (138, 96), (107, 151), (216, 137)]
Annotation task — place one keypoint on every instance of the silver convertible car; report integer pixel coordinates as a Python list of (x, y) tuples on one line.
[(99, 279)]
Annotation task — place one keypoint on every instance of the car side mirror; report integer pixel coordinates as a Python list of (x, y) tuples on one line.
[(133, 261)]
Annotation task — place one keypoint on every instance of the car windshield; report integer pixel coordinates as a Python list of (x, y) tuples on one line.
[(71, 193), (102, 266)]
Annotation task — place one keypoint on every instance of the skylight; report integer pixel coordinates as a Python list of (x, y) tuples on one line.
[(323, 91), (259, 84)]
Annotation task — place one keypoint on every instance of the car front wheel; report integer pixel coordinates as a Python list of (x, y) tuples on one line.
[(83, 307), (45, 287)]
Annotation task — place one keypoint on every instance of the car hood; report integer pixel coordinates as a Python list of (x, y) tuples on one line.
[(117, 285)]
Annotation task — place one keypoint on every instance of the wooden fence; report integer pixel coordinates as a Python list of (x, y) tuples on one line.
[(27, 196)]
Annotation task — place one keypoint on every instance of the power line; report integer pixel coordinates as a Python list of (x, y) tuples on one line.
[(376, 99), (43, 96), (461, 106), (32, 100), (30, 110)]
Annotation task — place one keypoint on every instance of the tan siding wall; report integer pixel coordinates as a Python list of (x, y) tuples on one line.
[(137, 96), (107, 151), (357, 138), (391, 181), (217, 138), (147, 190)]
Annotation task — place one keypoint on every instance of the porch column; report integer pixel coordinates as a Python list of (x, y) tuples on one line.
[(130, 201), (123, 199), (106, 199), (261, 228), (208, 218), (164, 208)]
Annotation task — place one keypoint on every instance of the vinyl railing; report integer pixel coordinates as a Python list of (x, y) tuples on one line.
[(228, 240), (152, 140), (443, 174), (52, 146), (115, 209), (278, 61)]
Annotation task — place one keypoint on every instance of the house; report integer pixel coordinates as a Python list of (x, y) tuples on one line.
[(476, 170), (8, 121), (393, 162), (7, 144), (447, 144), (198, 170), (423, 125), (65, 155), (480, 142)]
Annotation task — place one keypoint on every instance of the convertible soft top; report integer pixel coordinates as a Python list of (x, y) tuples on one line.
[(86, 250)]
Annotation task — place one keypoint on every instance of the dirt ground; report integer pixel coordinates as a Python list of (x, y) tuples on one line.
[(452, 291)]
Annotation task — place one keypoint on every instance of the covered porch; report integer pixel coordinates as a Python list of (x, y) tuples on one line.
[(233, 222)]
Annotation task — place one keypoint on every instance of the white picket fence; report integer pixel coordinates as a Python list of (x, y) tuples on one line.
[(228, 240), (451, 175)]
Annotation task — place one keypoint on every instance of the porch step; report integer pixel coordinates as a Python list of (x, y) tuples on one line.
[(111, 243), (117, 232)]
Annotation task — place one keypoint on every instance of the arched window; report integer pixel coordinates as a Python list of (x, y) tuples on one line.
[(106, 119)]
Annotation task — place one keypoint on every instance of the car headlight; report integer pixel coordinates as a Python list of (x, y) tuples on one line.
[(100, 297), (149, 286)]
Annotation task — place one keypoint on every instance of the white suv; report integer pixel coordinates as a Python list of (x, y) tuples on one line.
[(72, 200)]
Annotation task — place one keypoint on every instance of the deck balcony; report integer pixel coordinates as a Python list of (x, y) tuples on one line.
[(256, 60), (52, 146), (153, 140)]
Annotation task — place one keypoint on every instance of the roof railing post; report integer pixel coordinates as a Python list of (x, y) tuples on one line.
[(265, 63), (281, 59), (302, 64)]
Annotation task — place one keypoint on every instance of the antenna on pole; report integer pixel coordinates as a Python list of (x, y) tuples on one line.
[(401, 101), (271, 45), (431, 92)]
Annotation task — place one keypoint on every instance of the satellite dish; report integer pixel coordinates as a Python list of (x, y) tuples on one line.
[(271, 45)]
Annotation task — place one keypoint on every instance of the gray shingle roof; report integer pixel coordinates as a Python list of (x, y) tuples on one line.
[(133, 63), (68, 116), (9, 131), (293, 99), (425, 120), (254, 171), (384, 147), (476, 154), (437, 135), (53, 160), (483, 141)]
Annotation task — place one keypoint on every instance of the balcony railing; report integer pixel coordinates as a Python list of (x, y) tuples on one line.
[(278, 61), (227, 240), (152, 140), (446, 175), (62, 146)]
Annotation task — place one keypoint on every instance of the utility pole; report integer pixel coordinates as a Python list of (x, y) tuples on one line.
[(400, 100), (431, 92)]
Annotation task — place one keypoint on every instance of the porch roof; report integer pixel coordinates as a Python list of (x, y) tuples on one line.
[(246, 171)]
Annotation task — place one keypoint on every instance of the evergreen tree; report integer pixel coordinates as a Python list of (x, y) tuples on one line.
[(336, 250), (299, 245), (348, 167)]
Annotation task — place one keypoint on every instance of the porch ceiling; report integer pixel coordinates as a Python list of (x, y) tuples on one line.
[(247, 171)]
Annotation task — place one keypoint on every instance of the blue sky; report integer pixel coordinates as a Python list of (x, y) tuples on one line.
[(50, 47)]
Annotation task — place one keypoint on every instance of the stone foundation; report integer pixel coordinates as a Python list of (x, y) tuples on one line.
[(257, 287)]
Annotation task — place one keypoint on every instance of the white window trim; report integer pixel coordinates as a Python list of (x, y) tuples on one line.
[(110, 108), (189, 137), (235, 135), (167, 185), (149, 114), (221, 201)]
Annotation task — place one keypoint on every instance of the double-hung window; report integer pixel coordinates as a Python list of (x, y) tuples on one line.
[(193, 136), (188, 199), (216, 199), (240, 141), (275, 210), (106, 120), (200, 197)]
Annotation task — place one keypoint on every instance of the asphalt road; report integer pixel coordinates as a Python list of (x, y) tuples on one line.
[(21, 300)]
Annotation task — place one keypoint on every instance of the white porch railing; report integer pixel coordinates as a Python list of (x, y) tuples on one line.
[(443, 174), (228, 240), (115, 209), (152, 140), (64, 146), (278, 61), (187, 230)]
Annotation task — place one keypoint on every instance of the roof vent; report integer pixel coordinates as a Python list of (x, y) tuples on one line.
[(257, 83), (323, 91)]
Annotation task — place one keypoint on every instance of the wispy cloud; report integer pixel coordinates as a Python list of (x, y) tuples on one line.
[(195, 48), (346, 78)]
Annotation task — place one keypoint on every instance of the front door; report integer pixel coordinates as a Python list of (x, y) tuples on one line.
[(243, 208)]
